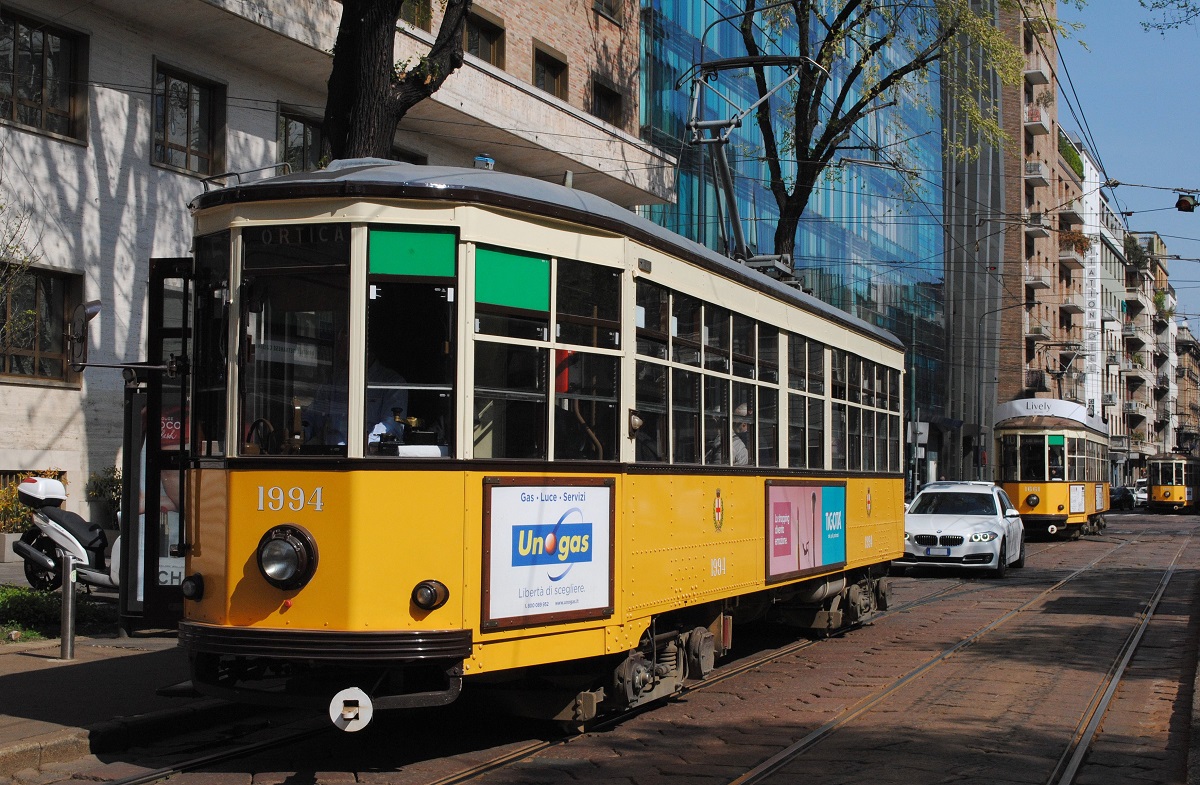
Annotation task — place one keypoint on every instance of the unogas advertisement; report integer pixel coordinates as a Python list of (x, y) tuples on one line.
[(806, 528), (547, 551)]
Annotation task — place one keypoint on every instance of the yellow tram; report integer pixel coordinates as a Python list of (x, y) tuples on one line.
[(1173, 481), (450, 426), (1053, 461)]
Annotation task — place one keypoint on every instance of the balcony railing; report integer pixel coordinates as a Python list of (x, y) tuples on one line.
[(1036, 71), (1037, 174), (1118, 443), (1070, 258), (1072, 212), (1037, 120), (1035, 225)]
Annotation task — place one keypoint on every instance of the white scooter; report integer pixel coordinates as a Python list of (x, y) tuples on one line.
[(57, 531)]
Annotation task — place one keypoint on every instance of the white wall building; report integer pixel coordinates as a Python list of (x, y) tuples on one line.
[(113, 112)]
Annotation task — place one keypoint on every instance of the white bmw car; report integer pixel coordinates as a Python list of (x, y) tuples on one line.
[(963, 525)]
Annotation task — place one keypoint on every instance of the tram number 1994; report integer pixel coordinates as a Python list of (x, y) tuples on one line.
[(275, 498)]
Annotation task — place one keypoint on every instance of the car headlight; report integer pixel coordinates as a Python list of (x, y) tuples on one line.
[(984, 536), (287, 557)]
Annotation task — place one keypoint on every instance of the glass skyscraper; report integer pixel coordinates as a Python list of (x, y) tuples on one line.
[(871, 239)]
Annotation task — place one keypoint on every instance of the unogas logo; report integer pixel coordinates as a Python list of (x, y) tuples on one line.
[(560, 543)]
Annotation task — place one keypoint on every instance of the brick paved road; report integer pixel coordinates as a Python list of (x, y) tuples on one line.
[(1000, 710)]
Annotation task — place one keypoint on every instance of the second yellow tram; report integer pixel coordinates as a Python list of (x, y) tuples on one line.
[(1053, 463), (1173, 483)]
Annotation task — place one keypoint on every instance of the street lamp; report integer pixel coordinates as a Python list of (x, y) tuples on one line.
[(979, 382)]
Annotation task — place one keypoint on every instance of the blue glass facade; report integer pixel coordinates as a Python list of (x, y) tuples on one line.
[(871, 239)]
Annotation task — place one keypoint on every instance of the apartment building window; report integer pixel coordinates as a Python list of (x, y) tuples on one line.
[(484, 40), (189, 118), (549, 74), (33, 307), (607, 104), (417, 13), (609, 8), (43, 73), (300, 142)]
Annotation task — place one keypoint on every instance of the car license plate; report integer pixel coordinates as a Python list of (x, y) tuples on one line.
[(937, 551)]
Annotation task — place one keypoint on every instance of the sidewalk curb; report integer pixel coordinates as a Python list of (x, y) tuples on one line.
[(110, 736)]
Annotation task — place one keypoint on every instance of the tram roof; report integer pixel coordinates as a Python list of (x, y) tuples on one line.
[(374, 178), (1047, 413)]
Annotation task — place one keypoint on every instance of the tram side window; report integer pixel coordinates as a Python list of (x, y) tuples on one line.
[(685, 329), (894, 390), (837, 436), (1077, 459), (1056, 453), (209, 348), (1033, 458), (510, 401), (411, 343), (512, 294), (685, 416), (1008, 459), (797, 431), (894, 442), (651, 439), (768, 354), (294, 348), (716, 338), (743, 346), (587, 313), (653, 317), (768, 426), (716, 420), (837, 365)]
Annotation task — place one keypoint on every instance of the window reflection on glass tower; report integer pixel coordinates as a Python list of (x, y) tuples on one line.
[(870, 241)]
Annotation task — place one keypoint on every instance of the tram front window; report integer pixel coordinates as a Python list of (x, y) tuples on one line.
[(294, 353), (1033, 459)]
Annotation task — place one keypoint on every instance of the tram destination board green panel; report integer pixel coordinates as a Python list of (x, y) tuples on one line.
[(512, 279), (407, 251)]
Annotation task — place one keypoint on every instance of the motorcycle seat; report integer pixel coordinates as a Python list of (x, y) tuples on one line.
[(89, 535)]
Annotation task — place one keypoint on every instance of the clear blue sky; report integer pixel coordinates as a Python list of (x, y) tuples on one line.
[(1137, 93)]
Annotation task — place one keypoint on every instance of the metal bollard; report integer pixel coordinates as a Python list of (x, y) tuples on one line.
[(67, 633)]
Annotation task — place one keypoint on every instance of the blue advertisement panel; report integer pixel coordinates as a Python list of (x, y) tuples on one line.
[(805, 531)]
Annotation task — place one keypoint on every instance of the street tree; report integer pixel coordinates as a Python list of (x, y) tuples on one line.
[(369, 92), (858, 58), (18, 252), (1170, 14)]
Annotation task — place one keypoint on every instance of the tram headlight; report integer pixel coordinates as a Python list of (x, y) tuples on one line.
[(430, 595), (1032, 500), (287, 557), (984, 536), (1166, 494)]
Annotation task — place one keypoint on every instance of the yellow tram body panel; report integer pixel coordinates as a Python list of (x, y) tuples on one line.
[(1071, 502), (678, 540)]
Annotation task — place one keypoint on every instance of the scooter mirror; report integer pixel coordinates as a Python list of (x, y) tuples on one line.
[(77, 339)]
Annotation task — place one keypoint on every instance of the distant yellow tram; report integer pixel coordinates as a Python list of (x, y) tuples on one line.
[(1173, 483), (1053, 463)]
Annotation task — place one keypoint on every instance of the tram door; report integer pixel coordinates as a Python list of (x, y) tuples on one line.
[(155, 450)]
